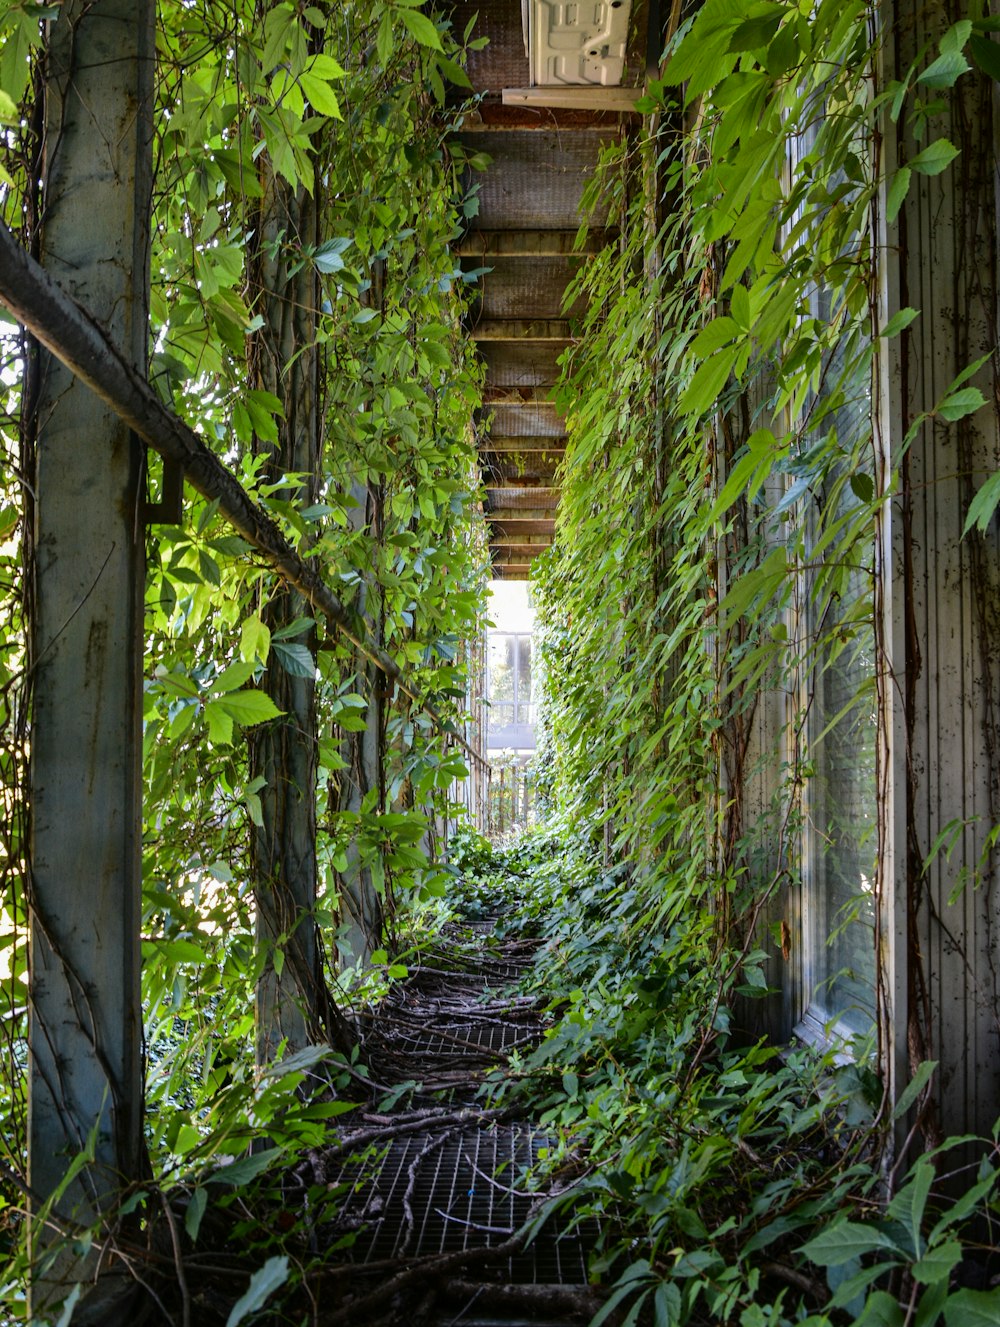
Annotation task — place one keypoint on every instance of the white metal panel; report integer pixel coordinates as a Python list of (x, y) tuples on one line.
[(578, 41)]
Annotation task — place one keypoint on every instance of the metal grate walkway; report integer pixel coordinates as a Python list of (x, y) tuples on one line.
[(442, 1182)]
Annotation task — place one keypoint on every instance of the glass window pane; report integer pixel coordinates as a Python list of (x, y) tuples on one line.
[(839, 901), (500, 663), (524, 668), (501, 716)]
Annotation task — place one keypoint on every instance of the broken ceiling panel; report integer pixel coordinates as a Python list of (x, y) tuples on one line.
[(578, 41)]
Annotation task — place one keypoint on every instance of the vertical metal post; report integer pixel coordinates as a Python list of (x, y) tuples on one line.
[(85, 1031)]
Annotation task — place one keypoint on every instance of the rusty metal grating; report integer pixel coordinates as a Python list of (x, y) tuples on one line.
[(443, 1191)]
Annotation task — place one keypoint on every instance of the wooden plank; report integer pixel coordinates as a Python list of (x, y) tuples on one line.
[(518, 572), (508, 444), (528, 543), (507, 529), (509, 515), (513, 394), (582, 97), (522, 329), (509, 555), (520, 500), (531, 243), (500, 476)]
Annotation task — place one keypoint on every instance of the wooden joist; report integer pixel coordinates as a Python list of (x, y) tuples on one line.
[(522, 329), (508, 529), (521, 500), (521, 446), (530, 243)]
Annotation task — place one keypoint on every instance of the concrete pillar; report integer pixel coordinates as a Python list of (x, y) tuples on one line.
[(85, 1030)]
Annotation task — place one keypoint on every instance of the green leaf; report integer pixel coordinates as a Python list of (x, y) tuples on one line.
[(235, 676), (716, 333), (703, 390), (897, 192), (899, 321), (863, 487), (852, 1286), (762, 582), (937, 1263), (297, 1062), (179, 951), (667, 1305), (956, 405), (220, 724), (384, 40), (326, 67), (241, 1172), (255, 639), (249, 707), (187, 1140), (321, 96), (421, 27), (845, 1240), (946, 70), (296, 660), (935, 158), (973, 1308), (454, 72), (262, 1286), (754, 33), (881, 1310), (914, 1088), (986, 54), (329, 256), (908, 1205), (8, 109)]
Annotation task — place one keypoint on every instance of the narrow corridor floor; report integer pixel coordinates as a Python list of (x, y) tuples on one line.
[(437, 1191)]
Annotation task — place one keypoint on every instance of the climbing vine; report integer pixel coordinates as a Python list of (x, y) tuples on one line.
[(712, 632), (346, 108)]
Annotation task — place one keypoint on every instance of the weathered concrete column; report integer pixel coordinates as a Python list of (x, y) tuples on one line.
[(86, 635), (361, 903), (291, 1004)]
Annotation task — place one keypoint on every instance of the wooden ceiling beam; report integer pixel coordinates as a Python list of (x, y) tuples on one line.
[(505, 555), (521, 329), (512, 572), (542, 498), (495, 476), (530, 243), (508, 529), (513, 395), (508, 445)]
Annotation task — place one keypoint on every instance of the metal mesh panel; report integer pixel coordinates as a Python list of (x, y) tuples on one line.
[(536, 178), (525, 421), (434, 1192), (502, 63), (521, 363), (524, 287)]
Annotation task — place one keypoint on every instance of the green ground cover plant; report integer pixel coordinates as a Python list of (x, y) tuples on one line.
[(734, 1182)]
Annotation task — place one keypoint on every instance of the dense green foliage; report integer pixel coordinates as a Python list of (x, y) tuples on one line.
[(717, 546), (712, 644), (344, 106), (720, 1169)]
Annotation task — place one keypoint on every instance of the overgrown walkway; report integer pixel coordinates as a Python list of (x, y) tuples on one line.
[(440, 1190)]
